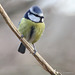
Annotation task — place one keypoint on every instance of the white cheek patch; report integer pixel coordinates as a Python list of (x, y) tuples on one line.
[(33, 18)]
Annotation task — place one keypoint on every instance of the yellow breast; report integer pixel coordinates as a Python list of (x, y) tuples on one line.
[(25, 29)]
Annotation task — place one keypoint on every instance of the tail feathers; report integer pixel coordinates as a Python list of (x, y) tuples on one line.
[(22, 48)]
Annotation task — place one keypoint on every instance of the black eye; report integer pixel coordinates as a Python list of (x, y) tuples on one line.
[(30, 13)]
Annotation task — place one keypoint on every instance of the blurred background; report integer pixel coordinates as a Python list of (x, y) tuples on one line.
[(57, 45)]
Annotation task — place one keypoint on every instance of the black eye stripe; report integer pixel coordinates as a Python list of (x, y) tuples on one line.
[(36, 15)]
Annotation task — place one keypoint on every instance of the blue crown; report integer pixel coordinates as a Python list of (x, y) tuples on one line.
[(36, 9)]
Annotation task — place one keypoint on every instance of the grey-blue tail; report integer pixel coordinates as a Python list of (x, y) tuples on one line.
[(22, 48)]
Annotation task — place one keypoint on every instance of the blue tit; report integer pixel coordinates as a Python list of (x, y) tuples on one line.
[(31, 26)]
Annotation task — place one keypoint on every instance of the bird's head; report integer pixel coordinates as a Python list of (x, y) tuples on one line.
[(34, 14)]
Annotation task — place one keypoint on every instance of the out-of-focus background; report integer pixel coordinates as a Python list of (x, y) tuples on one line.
[(57, 45)]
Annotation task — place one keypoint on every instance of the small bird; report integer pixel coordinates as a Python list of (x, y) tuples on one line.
[(31, 27)]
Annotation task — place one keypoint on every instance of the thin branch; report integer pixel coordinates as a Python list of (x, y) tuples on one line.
[(38, 57)]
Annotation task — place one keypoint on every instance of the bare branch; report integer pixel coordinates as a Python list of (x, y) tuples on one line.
[(38, 57)]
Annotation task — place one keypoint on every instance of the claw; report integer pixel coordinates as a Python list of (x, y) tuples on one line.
[(35, 52), (22, 36), (34, 49)]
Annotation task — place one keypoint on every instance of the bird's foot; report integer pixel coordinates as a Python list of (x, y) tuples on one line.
[(22, 36), (35, 51)]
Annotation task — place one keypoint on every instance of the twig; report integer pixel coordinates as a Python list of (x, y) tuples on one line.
[(38, 57)]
